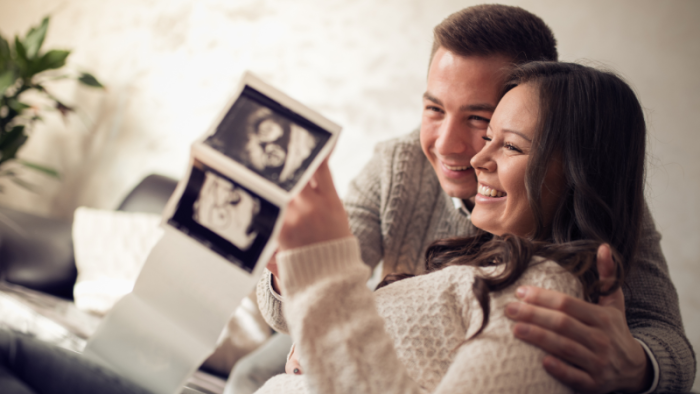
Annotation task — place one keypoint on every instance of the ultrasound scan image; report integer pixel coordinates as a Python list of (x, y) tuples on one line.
[(270, 140), (225, 217)]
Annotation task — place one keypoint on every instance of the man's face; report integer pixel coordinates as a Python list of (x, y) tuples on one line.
[(461, 96)]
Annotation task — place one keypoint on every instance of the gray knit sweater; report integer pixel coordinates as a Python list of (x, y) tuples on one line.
[(397, 209)]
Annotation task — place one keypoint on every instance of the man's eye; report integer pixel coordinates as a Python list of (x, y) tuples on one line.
[(478, 122), (486, 138), (479, 118), (432, 108)]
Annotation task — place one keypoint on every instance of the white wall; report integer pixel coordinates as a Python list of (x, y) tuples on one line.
[(170, 65)]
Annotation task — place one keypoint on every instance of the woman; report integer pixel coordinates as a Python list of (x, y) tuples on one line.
[(562, 172)]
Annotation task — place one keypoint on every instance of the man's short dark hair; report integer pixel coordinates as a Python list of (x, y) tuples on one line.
[(494, 29)]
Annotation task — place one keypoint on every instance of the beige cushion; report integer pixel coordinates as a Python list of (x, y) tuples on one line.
[(110, 248)]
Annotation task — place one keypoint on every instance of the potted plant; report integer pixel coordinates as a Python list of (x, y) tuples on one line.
[(24, 67)]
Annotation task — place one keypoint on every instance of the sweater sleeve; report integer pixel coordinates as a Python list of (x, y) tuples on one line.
[(653, 313), (334, 321), (345, 348), (270, 304), (363, 205)]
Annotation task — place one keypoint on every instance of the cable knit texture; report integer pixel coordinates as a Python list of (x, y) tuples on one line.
[(408, 337), (397, 208)]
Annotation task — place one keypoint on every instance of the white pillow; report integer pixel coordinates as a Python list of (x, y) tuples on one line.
[(110, 248)]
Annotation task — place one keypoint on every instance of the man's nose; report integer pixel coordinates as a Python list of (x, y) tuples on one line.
[(453, 138)]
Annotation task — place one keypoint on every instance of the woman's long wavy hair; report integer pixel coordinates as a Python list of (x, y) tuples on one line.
[(593, 122)]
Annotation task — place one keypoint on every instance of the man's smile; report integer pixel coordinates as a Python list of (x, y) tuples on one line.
[(457, 168)]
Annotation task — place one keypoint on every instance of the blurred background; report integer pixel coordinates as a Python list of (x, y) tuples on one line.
[(170, 66)]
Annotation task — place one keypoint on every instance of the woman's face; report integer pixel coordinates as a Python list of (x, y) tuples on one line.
[(501, 204)]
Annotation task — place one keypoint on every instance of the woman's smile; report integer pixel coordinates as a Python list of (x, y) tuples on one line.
[(486, 191)]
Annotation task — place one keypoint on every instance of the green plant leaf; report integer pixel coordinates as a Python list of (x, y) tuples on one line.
[(35, 38), (52, 59), (89, 80), (17, 105), (21, 59), (38, 167), (19, 49), (5, 57), (11, 142), (7, 79)]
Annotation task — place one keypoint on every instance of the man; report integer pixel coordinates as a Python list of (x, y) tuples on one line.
[(420, 187)]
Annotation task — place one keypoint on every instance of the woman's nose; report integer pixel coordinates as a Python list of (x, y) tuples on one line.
[(483, 160)]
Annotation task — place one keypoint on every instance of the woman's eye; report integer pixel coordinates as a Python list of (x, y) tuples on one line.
[(486, 138), (512, 147)]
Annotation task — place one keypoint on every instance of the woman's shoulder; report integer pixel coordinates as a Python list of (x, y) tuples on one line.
[(548, 274), (541, 272), (454, 282), (458, 279)]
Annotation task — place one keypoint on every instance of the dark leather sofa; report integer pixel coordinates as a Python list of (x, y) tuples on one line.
[(37, 252)]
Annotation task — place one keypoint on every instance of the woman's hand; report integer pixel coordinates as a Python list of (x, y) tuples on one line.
[(316, 214)]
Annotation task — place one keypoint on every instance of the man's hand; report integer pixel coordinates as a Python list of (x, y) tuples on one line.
[(590, 346)]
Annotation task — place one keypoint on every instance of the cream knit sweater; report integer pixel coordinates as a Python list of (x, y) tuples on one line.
[(397, 208), (407, 337)]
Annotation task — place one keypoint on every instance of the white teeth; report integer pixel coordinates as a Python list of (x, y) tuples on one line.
[(457, 168), (488, 192)]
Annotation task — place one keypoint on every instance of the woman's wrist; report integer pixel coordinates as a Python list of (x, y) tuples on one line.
[(303, 266)]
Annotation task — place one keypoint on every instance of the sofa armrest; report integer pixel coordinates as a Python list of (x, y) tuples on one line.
[(37, 252), (150, 195)]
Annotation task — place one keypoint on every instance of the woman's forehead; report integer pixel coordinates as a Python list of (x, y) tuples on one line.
[(518, 111)]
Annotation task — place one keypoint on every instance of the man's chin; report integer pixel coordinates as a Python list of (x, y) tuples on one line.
[(465, 191)]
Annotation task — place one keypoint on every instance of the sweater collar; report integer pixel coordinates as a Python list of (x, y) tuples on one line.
[(461, 207)]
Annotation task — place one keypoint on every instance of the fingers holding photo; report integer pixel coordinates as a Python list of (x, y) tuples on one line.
[(316, 214)]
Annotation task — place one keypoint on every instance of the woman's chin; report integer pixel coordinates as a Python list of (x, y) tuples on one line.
[(483, 223)]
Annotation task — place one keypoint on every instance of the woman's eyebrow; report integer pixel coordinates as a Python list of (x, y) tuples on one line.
[(528, 139)]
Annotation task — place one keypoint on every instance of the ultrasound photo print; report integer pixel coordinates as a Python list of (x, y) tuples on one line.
[(268, 138), (225, 217), (226, 210)]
